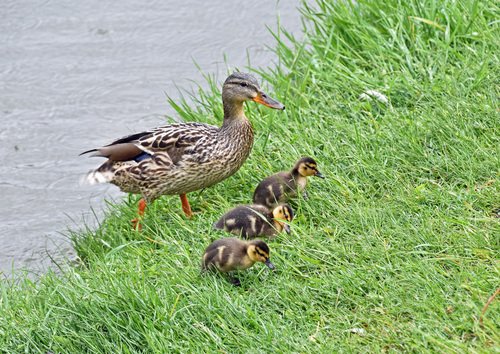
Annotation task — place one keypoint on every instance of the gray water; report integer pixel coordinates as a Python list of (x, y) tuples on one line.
[(78, 74)]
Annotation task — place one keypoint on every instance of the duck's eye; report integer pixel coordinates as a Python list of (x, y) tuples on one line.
[(243, 84)]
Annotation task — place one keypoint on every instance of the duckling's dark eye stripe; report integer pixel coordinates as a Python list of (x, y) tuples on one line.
[(261, 254)]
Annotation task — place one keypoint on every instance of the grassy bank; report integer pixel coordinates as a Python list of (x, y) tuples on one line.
[(397, 250)]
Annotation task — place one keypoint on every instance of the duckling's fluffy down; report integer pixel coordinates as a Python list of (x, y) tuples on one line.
[(248, 221)]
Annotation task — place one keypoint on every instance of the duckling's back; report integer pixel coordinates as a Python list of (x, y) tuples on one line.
[(274, 189), (225, 255), (247, 221)]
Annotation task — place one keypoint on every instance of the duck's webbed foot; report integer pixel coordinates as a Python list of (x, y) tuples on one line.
[(136, 224), (235, 281)]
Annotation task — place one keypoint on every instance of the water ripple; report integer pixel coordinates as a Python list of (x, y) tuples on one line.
[(76, 74)]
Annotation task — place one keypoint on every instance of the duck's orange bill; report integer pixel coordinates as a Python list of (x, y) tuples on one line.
[(267, 101)]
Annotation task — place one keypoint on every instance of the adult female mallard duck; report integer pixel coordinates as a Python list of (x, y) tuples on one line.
[(184, 157)]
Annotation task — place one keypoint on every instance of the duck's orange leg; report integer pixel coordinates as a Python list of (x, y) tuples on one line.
[(186, 208), (136, 223)]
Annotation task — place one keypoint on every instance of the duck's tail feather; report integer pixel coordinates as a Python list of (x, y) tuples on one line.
[(96, 177), (88, 151), (103, 174)]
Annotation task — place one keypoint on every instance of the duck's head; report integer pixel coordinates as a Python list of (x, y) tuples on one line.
[(240, 87), (306, 167), (258, 251), (283, 215)]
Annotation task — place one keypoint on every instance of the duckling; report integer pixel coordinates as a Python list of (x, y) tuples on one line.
[(250, 221), (281, 186), (229, 254)]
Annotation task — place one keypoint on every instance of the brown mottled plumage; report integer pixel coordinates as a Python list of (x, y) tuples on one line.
[(181, 158), (229, 254), (282, 186), (249, 221)]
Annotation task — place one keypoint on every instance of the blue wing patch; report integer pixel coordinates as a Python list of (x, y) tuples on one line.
[(142, 156)]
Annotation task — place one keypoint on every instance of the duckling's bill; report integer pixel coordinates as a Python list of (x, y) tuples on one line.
[(267, 101), (286, 228), (319, 174), (269, 264)]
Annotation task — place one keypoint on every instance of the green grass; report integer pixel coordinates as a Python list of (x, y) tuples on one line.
[(401, 240)]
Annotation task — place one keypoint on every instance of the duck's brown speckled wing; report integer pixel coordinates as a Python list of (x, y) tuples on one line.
[(173, 140)]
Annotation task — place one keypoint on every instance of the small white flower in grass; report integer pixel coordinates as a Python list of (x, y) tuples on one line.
[(359, 331), (372, 94)]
